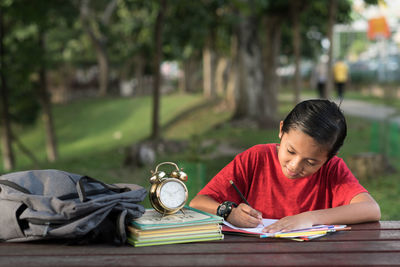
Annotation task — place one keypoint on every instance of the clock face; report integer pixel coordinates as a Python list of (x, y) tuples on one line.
[(172, 194)]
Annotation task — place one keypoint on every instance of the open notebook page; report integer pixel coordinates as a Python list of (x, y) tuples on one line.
[(266, 222), (256, 230)]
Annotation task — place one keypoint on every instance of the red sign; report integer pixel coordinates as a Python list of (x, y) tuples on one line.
[(378, 27)]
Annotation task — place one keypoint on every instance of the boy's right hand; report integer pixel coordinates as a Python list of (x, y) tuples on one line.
[(245, 216)]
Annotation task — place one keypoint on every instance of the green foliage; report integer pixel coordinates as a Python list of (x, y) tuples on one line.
[(314, 25), (189, 24)]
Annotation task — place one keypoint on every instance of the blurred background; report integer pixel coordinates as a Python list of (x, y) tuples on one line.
[(111, 88)]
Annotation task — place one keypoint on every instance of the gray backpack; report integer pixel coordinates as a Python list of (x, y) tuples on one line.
[(45, 204)]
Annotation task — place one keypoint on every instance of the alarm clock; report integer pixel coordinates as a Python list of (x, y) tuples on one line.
[(168, 194)]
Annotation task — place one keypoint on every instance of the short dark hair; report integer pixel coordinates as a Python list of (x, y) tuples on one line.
[(322, 120)]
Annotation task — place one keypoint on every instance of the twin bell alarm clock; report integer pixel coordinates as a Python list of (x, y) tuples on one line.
[(168, 194)]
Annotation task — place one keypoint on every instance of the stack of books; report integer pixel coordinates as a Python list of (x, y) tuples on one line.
[(188, 225)]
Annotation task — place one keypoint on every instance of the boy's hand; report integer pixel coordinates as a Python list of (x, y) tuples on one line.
[(245, 216), (299, 221)]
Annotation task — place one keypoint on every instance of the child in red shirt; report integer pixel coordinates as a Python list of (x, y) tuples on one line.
[(300, 181)]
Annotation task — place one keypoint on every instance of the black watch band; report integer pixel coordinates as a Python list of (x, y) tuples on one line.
[(225, 209)]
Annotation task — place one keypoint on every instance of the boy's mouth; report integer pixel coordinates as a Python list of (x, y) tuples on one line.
[(291, 173)]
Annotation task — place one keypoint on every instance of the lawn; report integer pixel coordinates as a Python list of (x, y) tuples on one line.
[(93, 134)]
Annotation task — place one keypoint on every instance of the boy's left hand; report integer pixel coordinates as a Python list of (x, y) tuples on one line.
[(299, 221)]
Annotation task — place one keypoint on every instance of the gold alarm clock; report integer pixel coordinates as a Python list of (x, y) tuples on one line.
[(168, 194)]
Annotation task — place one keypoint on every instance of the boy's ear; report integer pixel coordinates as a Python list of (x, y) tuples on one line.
[(280, 130)]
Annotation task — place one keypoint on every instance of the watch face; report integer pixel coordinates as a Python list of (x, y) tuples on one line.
[(172, 194)]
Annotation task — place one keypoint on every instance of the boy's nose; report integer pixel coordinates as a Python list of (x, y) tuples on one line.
[(295, 165)]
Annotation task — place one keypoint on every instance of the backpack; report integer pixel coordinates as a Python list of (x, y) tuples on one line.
[(49, 204)]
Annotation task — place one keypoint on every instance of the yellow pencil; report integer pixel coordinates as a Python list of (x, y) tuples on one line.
[(297, 234)]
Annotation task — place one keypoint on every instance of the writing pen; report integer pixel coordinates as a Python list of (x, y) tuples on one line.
[(241, 195)]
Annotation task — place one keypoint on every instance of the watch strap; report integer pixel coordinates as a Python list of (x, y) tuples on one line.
[(225, 209)]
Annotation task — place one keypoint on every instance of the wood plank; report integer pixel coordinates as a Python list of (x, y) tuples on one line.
[(203, 248), (382, 225), (370, 244), (360, 235), (298, 259)]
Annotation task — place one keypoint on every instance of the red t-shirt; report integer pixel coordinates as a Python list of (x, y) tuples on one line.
[(258, 175)]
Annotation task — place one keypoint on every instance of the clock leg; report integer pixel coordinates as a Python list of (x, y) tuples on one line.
[(163, 215)]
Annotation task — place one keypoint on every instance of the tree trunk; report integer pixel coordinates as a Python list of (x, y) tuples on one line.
[(295, 12), (220, 83), (186, 80), (250, 71), (102, 60), (257, 96), (157, 75), (6, 141), (270, 58), (208, 70), (183, 78), (51, 142), (331, 23), (233, 80), (99, 42)]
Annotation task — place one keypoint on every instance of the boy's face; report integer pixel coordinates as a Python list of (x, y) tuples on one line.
[(299, 155)]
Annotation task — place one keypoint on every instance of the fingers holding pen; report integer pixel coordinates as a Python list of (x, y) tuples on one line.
[(245, 216)]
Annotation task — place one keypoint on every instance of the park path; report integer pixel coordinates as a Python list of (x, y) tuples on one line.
[(367, 110)]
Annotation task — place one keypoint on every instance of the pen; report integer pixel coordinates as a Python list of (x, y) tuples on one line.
[(241, 195)]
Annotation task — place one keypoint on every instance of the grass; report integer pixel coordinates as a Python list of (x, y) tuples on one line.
[(93, 134)]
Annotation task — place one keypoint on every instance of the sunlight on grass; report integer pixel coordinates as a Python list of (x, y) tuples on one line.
[(95, 125)]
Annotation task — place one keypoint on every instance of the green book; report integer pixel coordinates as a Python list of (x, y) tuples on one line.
[(137, 234), (175, 240), (152, 219)]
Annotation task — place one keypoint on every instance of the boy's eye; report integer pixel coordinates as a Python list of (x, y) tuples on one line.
[(311, 163), (290, 152)]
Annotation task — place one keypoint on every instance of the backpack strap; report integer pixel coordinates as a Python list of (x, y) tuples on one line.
[(120, 227), (84, 180), (15, 186)]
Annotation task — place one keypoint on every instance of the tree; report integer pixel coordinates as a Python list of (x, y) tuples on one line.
[(51, 15), (131, 40), (6, 141), (331, 21), (250, 68), (158, 29), (96, 32), (208, 68), (51, 140), (258, 60), (296, 8), (271, 50)]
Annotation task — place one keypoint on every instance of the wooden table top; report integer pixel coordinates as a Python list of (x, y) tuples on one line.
[(369, 244)]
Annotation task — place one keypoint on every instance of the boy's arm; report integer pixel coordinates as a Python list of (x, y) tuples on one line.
[(241, 216), (362, 208), (204, 203)]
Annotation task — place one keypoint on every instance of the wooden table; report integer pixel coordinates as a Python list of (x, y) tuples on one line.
[(370, 244)]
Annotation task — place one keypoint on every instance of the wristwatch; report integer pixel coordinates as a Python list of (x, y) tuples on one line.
[(225, 209)]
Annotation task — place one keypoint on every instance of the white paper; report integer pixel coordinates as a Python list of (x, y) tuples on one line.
[(256, 230), (267, 222)]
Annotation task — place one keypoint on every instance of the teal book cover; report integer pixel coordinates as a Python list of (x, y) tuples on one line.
[(152, 219)]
